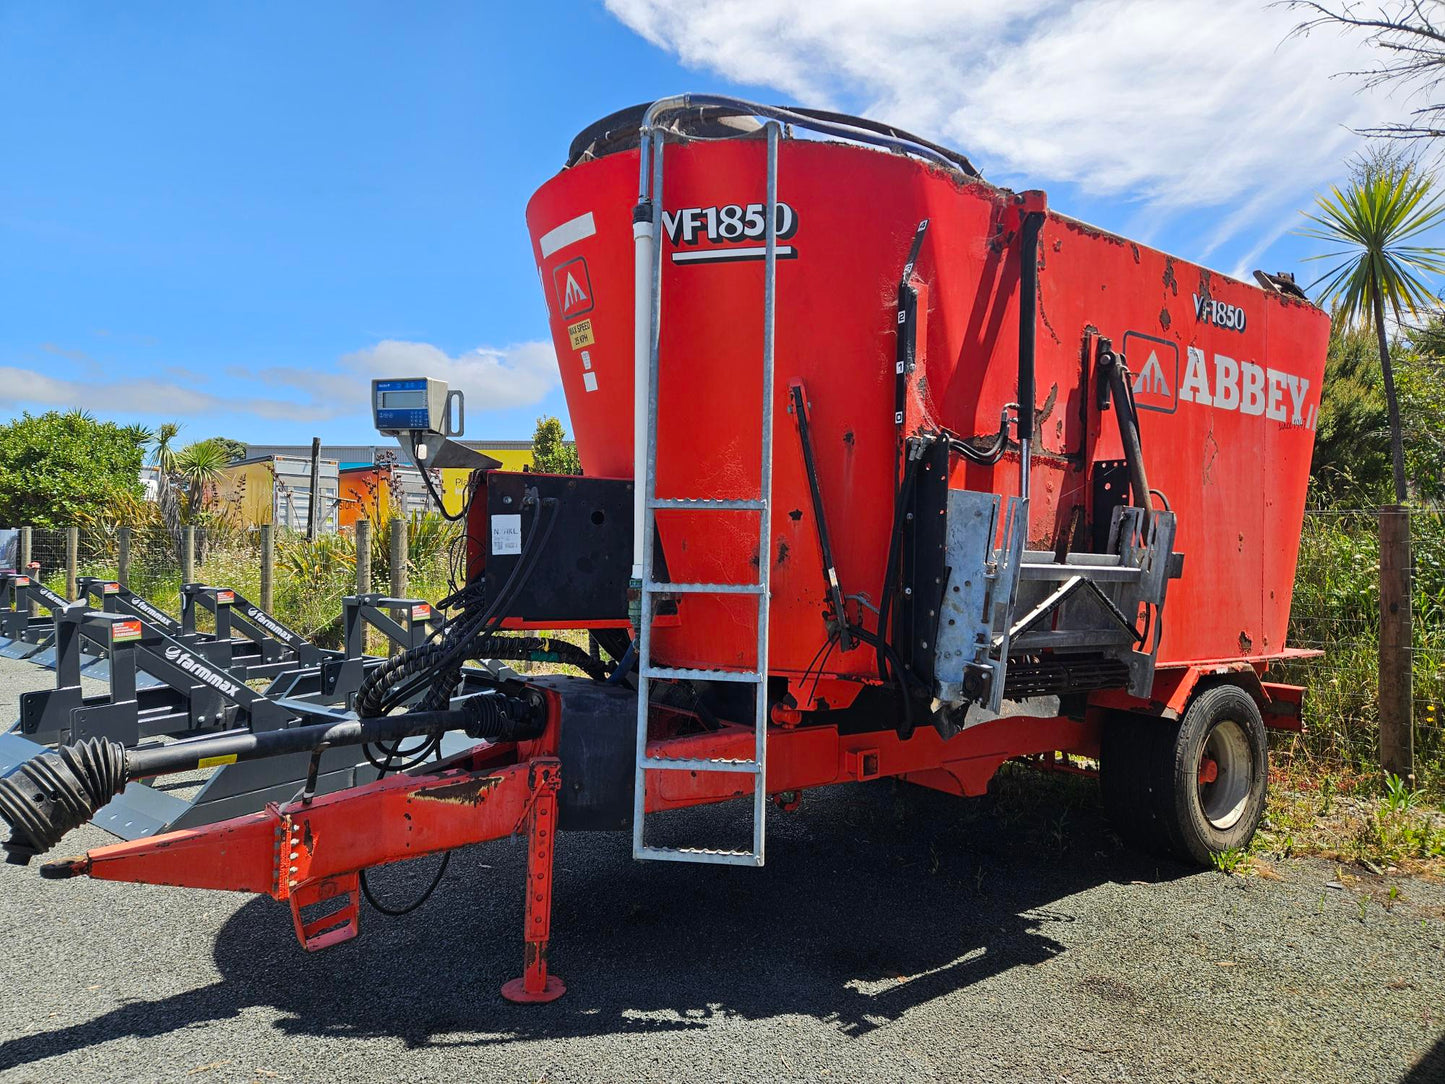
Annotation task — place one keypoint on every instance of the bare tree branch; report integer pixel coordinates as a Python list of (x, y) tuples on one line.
[(1408, 36)]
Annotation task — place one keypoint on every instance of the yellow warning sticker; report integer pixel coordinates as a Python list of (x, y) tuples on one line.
[(213, 762), (581, 333)]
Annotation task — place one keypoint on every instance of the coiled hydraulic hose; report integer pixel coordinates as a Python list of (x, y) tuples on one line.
[(49, 795), (55, 792), (434, 668)]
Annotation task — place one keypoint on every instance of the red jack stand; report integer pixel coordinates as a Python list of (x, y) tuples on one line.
[(536, 985)]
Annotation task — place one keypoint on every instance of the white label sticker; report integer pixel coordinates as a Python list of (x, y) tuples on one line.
[(589, 381), (506, 535)]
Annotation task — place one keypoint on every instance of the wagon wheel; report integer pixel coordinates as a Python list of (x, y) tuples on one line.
[(1195, 787)]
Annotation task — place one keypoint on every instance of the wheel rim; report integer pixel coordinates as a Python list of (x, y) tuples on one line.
[(1226, 774)]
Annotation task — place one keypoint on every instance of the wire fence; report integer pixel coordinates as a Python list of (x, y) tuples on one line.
[(307, 578), (1336, 611)]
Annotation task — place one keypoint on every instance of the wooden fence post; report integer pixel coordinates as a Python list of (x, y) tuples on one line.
[(1397, 737), (268, 567), (313, 499), (72, 560), (122, 560), (27, 538), (363, 557), (398, 557), (188, 555)]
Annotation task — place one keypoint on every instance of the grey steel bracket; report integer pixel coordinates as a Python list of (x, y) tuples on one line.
[(965, 621)]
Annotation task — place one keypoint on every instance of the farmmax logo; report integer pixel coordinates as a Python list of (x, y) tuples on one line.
[(197, 669), (269, 623), (150, 611)]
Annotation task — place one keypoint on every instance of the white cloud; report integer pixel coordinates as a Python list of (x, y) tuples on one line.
[(1179, 104), (491, 378), (30, 387)]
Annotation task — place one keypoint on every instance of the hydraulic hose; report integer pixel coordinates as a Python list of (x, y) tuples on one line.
[(55, 792), (1126, 414), (47, 796), (435, 666)]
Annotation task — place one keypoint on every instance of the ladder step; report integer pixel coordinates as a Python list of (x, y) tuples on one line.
[(699, 854), (698, 764), (706, 504), (664, 673), (704, 588)]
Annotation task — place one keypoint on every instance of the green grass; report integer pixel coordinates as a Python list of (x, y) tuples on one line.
[(1336, 609), (310, 578)]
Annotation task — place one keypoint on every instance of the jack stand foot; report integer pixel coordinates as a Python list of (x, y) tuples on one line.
[(516, 990), (536, 985)]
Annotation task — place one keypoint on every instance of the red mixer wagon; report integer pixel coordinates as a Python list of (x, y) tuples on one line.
[(817, 533)]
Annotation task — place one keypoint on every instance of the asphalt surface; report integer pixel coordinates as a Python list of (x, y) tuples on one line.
[(894, 935)]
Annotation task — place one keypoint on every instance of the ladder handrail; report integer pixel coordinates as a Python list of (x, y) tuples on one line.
[(646, 496)]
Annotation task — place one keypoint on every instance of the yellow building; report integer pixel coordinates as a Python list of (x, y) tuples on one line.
[(276, 489), (373, 468)]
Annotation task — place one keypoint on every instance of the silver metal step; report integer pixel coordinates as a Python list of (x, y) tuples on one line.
[(683, 673), (701, 764), (705, 588), (699, 854)]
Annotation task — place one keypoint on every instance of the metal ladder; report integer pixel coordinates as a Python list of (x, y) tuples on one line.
[(652, 590)]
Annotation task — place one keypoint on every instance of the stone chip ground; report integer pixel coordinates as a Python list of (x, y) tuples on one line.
[(894, 935)]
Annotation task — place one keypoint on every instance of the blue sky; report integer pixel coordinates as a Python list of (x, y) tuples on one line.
[(231, 215)]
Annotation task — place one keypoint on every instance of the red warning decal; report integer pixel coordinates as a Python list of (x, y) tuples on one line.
[(225, 598), (421, 612), (574, 288), (121, 631), (1155, 364), (110, 589)]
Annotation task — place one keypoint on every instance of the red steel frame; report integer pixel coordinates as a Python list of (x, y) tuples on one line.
[(310, 854)]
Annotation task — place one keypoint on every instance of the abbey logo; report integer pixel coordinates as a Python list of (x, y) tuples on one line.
[(1155, 364), (200, 671), (1217, 381), (574, 288)]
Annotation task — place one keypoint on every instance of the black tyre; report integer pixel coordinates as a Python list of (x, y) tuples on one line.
[(1125, 771), (1194, 788)]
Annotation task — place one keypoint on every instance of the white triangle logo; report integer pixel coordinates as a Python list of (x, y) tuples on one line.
[(574, 295), (1151, 378)]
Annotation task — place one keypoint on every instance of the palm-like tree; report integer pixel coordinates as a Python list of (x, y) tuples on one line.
[(163, 458), (200, 465), (1375, 222)]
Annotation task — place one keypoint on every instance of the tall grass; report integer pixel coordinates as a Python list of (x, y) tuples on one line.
[(310, 578), (1336, 610)]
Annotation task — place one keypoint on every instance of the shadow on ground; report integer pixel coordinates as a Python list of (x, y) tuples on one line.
[(876, 898)]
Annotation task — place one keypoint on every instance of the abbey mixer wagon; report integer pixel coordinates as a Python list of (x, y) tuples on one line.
[(818, 533)]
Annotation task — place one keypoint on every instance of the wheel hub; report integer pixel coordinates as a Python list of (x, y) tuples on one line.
[(1226, 769)]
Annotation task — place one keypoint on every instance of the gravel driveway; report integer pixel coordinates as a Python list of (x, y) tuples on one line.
[(895, 934)]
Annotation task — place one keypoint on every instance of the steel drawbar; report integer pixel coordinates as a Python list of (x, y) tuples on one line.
[(51, 794)]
